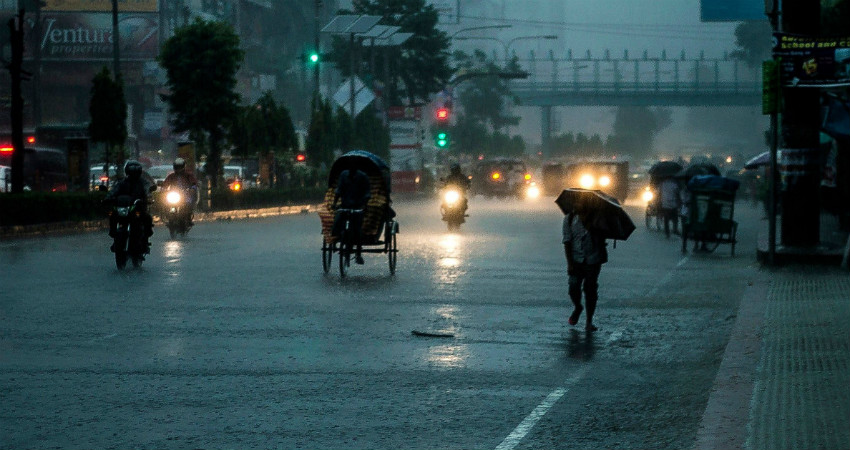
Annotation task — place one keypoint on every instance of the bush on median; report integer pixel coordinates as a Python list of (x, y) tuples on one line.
[(31, 208)]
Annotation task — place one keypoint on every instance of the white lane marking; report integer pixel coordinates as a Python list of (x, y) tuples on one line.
[(666, 279), (528, 423)]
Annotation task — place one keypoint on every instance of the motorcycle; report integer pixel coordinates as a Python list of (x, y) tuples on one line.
[(453, 207), (129, 239), (177, 211)]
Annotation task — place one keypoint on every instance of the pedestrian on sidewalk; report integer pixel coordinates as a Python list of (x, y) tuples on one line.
[(585, 251)]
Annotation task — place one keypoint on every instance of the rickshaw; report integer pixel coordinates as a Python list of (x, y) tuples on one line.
[(707, 218), (379, 228)]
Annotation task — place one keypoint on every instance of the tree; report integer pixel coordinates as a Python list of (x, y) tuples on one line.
[(108, 111), (201, 61), (635, 128), (321, 136), (835, 18), (417, 68), (262, 128), (482, 113), (754, 42)]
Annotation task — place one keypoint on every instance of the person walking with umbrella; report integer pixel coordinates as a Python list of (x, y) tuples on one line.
[(586, 251)]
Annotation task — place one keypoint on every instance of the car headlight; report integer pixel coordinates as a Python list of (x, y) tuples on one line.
[(533, 191), (586, 181), (647, 195), (604, 181), (173, 197)]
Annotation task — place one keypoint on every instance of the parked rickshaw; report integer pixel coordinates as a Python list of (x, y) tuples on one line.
[(379, 228), (708, 215)]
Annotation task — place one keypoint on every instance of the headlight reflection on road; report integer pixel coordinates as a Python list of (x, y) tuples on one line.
[(450, 356), (173, 253), (450, 260)]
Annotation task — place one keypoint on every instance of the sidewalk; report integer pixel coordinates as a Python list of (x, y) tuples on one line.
[(784, 381)]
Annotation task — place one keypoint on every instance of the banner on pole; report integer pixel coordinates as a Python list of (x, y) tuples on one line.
[(813, 61)]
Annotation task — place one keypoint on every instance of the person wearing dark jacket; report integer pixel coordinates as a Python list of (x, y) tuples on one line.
[(135, 186), (585, 251), (353, 191)]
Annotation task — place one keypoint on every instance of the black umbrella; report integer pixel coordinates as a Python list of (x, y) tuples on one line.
[(698, 169), (664, 169), (606, 216)]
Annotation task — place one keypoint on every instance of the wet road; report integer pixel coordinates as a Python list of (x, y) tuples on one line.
[(234, 338)]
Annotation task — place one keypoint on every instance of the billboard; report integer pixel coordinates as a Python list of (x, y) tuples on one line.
[(813, 61), (100, 5), (731, 10), (88, 37)]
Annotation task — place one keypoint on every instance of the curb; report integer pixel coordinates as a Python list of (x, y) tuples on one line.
[(726, 416), (70, 227)]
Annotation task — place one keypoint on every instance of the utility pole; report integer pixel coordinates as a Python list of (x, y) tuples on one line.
[(800, 128), (316, 44), (17, 74)]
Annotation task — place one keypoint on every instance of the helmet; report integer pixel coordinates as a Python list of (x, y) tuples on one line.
[(133, 169), (179, 164)]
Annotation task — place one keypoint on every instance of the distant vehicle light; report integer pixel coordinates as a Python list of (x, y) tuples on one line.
[(604, 181), (30, 139), (496, 175), (647, 195), (528, 176), (586, 181), (533, 191), (6, 149), (235, 186)]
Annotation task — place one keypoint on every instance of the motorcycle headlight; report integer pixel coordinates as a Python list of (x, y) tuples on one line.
[(451, 197), (173, 197), (604, 181), (586, 181)]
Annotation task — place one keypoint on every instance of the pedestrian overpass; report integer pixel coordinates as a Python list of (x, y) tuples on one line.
[(646, 81)]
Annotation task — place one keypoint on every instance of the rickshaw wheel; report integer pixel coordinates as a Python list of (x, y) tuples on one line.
[(327, 254), (344, 259), (392, 251)]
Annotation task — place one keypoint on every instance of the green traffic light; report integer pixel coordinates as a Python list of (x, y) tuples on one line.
[(442, 140), (314, 57)]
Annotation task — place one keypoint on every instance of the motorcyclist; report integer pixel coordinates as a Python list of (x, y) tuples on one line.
[(184, 181), (458, 179), (135, 186)]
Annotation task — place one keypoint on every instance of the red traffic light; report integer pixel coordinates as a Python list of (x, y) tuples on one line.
[(442, 113), (300, 157)]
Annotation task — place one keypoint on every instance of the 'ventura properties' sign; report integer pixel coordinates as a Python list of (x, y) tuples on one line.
[(88, 37)]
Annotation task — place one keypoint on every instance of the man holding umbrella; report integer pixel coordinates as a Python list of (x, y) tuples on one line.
[(586, 252)]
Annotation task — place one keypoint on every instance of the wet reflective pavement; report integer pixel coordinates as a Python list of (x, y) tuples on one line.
[(234, 337)]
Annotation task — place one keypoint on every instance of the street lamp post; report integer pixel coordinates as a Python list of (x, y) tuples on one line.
[(485, 27)]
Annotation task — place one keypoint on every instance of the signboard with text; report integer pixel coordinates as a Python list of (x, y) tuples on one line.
[(813, 61), (88, 37)]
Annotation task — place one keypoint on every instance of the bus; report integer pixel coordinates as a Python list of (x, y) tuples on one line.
[(45, 169)]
